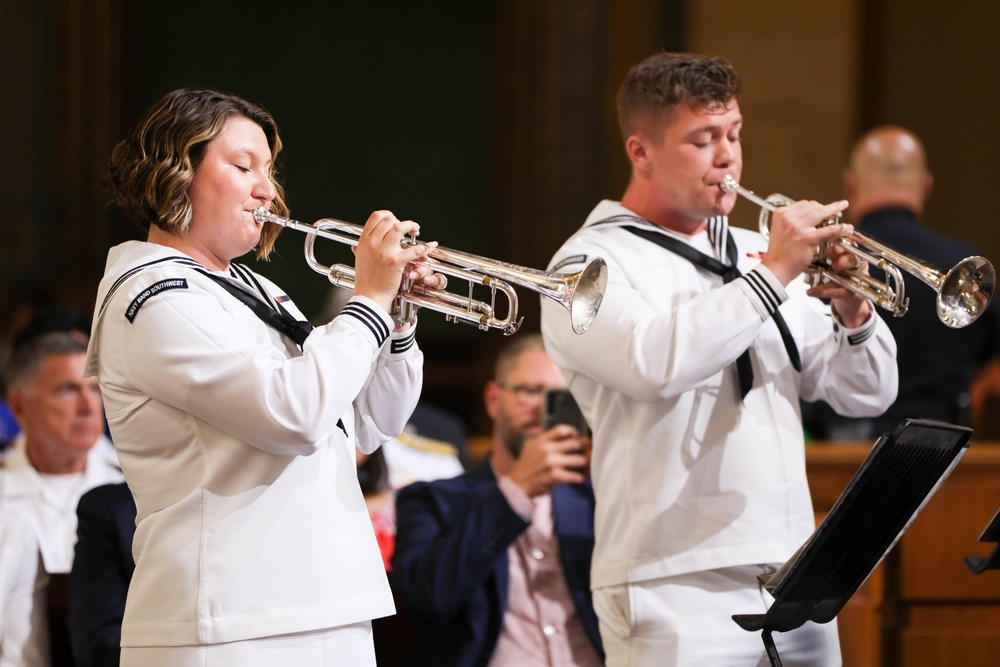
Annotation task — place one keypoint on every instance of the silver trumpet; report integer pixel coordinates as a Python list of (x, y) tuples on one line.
[(580, 293), (963, 292)]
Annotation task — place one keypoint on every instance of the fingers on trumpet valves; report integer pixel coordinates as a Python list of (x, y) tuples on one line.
[(423, 274)]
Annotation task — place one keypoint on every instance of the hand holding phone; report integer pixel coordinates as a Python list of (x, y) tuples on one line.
[(562, 408)]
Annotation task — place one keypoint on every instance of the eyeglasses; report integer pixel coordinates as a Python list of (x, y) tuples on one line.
[(524, 393)]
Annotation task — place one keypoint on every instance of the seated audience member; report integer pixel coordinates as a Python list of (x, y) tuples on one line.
[(494, 565), (439, 426), (46, 319), (102, 570), (24, 629), (373, 476), (887, 183), (60, 452), (424, 452), (8, 427)]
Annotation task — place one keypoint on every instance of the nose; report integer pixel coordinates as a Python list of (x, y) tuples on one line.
[(725, 156), (264, 190)]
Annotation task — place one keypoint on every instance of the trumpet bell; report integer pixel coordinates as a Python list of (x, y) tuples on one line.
[(965, 292), (587, 294)]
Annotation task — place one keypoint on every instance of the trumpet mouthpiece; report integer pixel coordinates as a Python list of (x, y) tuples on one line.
[(261, 215)]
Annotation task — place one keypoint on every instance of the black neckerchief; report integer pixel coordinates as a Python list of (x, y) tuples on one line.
[(728, 272), (277, 317)]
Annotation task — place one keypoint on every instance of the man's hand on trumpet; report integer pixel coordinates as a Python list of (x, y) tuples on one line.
[(796, 233), (382, 259), (851, 308)]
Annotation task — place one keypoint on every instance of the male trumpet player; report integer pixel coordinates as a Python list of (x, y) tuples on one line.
[(691, 377)]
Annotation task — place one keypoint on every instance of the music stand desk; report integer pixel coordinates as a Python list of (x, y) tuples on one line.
[(902, 472)]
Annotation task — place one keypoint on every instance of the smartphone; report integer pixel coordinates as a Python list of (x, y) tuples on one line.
[(562, 408)]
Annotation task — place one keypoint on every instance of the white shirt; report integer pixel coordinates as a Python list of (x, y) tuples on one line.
[(687, 477), (24, 630), (50, 508), (414, 458), (239, 451)]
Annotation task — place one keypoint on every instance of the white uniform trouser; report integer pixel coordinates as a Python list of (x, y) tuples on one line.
[(686, 621), (344, 646)]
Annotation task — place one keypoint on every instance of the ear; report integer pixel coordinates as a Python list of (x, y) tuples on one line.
[(927, 184), (15, 401), (637, 150), (491, 396)]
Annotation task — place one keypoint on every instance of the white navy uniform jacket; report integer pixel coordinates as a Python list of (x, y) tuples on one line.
[(53, 517), (687, 477), (24, 626), (239, 450)]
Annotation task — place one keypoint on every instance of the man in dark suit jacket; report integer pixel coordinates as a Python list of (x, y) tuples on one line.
[(495, 564), (887, 183), (102, 570)]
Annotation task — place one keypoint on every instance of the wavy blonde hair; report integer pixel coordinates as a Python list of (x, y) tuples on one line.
[(150, 171)]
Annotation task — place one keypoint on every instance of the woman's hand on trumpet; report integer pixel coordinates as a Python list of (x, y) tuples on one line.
[(382, 258)]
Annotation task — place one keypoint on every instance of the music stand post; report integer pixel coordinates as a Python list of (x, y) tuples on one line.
[(899, 476)]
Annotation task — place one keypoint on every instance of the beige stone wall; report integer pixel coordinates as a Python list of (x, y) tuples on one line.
[(808, 91), (797, 62)]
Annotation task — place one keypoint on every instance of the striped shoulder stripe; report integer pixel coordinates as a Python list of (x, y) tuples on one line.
[(400, 345), (859, 337), (369, 318), (764, 292), (131, 272), (242, 272), (717, 236)]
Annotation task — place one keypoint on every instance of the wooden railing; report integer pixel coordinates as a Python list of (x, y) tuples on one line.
[(922, 606)]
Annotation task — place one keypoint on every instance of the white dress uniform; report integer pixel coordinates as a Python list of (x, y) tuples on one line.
[(239, 450), (48, 502), (24, 630), (689, 478)]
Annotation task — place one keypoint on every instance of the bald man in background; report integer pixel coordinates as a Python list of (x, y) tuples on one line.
[(887, 183)]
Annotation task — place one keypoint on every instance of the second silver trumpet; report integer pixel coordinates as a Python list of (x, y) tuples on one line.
[(963, 292)]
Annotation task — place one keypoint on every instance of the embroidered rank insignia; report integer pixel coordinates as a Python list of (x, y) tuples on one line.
[(150, 292), (575, 259)]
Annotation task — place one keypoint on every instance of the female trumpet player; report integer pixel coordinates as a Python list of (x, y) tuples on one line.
[(235, 425)]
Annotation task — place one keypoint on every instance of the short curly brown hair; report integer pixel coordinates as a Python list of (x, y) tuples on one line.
[(151, 170), (664, 80)]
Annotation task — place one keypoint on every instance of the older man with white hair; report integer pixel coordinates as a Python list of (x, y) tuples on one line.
[(61, 451)]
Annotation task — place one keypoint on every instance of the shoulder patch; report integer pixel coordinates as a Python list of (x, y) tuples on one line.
[(575, 259), (151, 291)]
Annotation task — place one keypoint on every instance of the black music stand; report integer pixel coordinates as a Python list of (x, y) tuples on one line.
[(900, 475), (992, 562)]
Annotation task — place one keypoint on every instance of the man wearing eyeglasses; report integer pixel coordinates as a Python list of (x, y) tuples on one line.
[(494, 565)]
